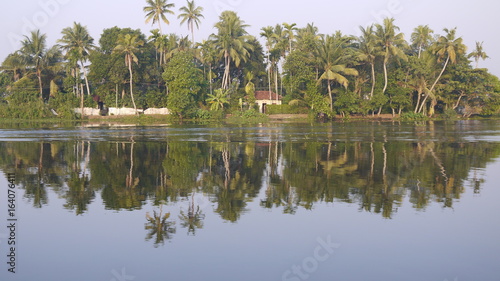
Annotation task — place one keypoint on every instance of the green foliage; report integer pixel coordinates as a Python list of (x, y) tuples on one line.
[(218, 99), (411, 116), (184, 83), (347, 103), (37, 110), (286, 109), (450, 114), (209, 114), (63, 104)]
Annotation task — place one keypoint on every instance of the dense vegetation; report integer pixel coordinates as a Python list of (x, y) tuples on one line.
[(378, 72)]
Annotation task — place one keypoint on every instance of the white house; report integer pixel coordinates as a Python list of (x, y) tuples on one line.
[(263, 98)]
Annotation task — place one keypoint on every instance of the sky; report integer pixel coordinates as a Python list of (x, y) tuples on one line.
[(475, 20)]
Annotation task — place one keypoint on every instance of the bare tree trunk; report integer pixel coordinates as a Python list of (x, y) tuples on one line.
[(330, 95), (458, 101), (39, 76), (373, 80), (131, 84), (385, 77)]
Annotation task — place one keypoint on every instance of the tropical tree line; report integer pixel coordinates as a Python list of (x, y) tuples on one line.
[(379, 71)]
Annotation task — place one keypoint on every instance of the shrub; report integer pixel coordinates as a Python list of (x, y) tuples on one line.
[(412, 116), (286, 109)]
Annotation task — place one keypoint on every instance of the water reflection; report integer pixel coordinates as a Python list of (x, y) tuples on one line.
[(378, 174)]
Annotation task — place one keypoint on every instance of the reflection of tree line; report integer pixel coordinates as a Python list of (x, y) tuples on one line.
[(376, 175)]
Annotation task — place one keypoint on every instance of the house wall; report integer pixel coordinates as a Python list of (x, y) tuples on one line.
[(261, 103)]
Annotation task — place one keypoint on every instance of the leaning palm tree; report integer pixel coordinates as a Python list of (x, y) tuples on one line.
[(367, 51), (333, 55), (156, 10), (191, 14), (232, 41), (421, 38), (449, 47), (33, 51), (391, 44), (129, 45), (78, 43), (478, 53)]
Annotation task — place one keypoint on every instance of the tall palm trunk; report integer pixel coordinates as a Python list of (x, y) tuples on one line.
[(373, 79), (385, 74), (39, 76), (330, 95), (269, 71), (227, 70), (276, 78), (131, 87)]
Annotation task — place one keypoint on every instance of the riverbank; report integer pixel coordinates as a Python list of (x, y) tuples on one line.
[(144, 120)]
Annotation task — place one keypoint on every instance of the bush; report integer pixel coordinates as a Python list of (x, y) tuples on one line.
[(286, 109), (412, 116), (30, 110), (208, 114), (450, 114)]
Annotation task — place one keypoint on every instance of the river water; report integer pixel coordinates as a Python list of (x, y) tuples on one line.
[(283, 201)]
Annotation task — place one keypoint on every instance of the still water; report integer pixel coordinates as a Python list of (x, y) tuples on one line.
[(341, 201)]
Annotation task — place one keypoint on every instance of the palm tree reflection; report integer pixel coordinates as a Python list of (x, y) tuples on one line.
[(159, 227), (193, 219)]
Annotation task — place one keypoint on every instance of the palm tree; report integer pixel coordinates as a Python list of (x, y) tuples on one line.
[(191, 14), (332, 54), (421, 37), (129, 45), (14, 63), (448, 47), (156, 10), (78, 43), (33, 51), (232, 42), (290, 34), (267, 33), (478, 53), (208, 55), (218, 99), (367, 51), (391, 44)]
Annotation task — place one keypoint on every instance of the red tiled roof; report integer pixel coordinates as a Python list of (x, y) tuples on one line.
[(264, 95)]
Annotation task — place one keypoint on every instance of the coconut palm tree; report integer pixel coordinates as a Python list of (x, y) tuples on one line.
[(208, 56), (129, 45), (367, 51), (267, 33), (421, 38), (232, 42), (391, 43), (78, 44), (218, 99), (156, 10), (333, 56), (478, 53), (33, 51), (14, 63), (191, 14), (449, 47)]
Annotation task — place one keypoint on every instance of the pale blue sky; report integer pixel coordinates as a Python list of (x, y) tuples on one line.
[(476, 20)]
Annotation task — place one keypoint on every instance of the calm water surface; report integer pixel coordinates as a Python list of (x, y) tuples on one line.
[(341, 201)]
